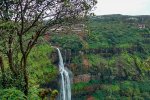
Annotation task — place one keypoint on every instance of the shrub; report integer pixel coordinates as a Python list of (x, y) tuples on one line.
[(12, 94), (39, 60), (126, 89), (99, 95), (33, 93), (146, 95), (111, 89), (138, 98), (71, 41)]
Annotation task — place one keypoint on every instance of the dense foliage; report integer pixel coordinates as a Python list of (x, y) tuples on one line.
[(117, 56), (114, 51), (40, 71), (70, 41), (22, 23)]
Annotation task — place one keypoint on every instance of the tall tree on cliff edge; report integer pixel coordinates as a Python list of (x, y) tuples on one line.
[(22, 22)]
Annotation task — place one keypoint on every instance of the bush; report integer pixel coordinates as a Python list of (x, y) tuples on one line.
[(99, 95), (79, 87), (12, 94), (146, 95), (39, 60), (138, 98), (126, 89), (72, 41), (111, 89), (144, 86), (34, 93)]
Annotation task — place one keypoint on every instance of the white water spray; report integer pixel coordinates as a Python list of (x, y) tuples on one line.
[(65, 90)]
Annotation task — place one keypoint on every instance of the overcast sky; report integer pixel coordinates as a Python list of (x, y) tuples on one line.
[(125, 7)]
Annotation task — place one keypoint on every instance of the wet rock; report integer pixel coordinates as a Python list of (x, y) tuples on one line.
[(90, 98), (54, 84), (54, 57), (82, 78), (86, 63)]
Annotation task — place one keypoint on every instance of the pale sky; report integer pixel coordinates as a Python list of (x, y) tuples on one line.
[(125, 7)]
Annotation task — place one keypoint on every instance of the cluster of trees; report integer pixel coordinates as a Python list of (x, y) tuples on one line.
[(70, 41), (123, 75), (110, 31), (119, 67), (114, 34), (126, 90), (22, 23)]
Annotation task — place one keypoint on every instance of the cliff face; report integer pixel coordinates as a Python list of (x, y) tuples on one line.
[(91, 66), (115, 48)]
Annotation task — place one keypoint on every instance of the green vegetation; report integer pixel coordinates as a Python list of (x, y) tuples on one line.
[(39, 60), (136, 90), (123, 90), (114, 52), (70, 41), (11, 94), (117, 56), (41, 71), (22, 25)]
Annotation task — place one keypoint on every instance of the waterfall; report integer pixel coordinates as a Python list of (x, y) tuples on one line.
[(65, 89)]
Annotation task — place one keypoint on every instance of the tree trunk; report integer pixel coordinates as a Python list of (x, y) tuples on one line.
[(1, 64), (10, 55), (25, 74), (2, 70)]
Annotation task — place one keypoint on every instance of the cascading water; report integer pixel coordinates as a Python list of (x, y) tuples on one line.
[(65, 90)]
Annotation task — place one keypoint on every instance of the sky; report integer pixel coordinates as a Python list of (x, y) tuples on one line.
[(124, 7)]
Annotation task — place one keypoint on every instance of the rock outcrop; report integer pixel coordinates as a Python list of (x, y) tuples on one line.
[(82, 78)]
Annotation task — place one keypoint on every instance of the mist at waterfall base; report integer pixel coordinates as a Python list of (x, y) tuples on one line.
[(65, 83)]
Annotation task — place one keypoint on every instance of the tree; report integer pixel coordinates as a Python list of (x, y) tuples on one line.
[(22, 22)]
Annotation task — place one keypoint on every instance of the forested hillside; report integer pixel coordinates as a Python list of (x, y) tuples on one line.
[(110, 59)]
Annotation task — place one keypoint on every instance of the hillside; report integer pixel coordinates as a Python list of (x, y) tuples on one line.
[(105, 57), (109, 61)]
